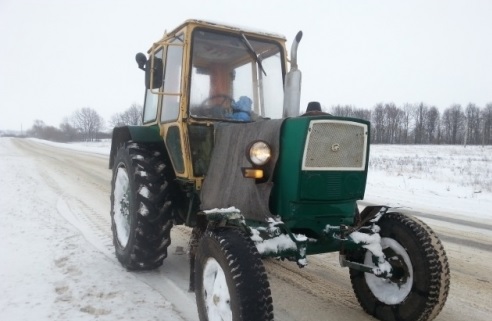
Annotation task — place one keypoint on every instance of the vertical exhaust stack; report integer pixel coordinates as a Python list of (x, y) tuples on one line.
[(292, 87)]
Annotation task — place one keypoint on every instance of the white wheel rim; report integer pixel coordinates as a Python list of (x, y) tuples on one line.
[(386, 290), (121, 206), (215, 292)]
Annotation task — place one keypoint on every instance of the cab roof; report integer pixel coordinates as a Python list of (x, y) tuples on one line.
[(221, 26)]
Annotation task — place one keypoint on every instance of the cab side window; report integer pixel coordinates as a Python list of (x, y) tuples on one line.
[(151, 99), (172, 81)]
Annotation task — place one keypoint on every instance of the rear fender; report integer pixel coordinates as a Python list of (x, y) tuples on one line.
[(138, 134)]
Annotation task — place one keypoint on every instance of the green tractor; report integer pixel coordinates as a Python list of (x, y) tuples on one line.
[(224, 151)]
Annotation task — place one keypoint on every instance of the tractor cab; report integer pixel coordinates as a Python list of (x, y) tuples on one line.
[(202, 74)]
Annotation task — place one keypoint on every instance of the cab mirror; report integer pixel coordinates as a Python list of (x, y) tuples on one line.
[(141, 60), (156, 73)]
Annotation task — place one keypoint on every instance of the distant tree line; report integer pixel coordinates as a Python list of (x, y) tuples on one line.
[(85, 124), (424, 124), (390, 124)]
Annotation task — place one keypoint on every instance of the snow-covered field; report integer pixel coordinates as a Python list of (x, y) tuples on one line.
[(59, 265), (449, 179)]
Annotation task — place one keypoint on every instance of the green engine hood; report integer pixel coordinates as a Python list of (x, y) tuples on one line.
[(322, 164)]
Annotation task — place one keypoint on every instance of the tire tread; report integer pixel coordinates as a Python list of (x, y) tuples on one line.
[(150, 173), (246, 271)]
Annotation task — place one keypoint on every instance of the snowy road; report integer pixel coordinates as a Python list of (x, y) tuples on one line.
[(57, 243)]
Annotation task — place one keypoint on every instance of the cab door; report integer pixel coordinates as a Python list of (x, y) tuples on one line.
[(170, 118), (164, 98)]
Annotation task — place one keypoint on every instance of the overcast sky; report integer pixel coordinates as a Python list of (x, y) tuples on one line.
[(57, 56)]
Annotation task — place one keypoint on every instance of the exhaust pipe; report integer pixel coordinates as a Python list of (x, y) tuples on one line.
[(292, 87)]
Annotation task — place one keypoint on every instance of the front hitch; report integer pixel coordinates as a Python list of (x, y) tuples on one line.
[(362, 235)]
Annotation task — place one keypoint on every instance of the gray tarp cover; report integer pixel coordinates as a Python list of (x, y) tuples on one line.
[(224, 186)]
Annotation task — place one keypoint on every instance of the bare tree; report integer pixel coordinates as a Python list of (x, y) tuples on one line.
[(70, 133), (342, 110), (40, 130), (130, 117), (392, 123), (406, 120), (351, 111), (423, 124), (453, 124), (362, 113), (378, 126), (88, 121), (116, 120), (134, 115), (472, 124), (431, 125), (419, 116), (487, 124), (37, 129)]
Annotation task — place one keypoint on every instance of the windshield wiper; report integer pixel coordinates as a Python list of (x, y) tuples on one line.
[(253, 53)]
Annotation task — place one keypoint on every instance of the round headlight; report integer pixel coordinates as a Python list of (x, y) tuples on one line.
[(259, 153)]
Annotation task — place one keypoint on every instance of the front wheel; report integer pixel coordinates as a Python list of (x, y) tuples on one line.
[(230, 280), (419, 286)]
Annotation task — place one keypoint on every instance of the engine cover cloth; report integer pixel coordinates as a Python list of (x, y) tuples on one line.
[(224, 185)]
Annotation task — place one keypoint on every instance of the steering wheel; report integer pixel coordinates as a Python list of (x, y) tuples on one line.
[(217, 110)]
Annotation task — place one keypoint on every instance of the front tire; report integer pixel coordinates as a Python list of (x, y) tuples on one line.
[(141, 211), (420, 285), (230, 280)]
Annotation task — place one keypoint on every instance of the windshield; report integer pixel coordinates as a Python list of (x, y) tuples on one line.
[(235, 78)]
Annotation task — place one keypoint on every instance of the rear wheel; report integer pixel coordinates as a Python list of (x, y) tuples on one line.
[(230, 281), (141, 211), (420, 283)]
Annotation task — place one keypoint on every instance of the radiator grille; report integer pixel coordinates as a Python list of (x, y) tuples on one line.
[(335, 145)]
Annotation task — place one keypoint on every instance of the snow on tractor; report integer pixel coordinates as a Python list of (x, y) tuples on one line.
[(224, 151)]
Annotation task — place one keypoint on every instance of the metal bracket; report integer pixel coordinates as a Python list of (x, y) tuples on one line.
[(364, 268), (268, 240)]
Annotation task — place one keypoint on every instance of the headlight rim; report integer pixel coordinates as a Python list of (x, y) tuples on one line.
[(253, 159)]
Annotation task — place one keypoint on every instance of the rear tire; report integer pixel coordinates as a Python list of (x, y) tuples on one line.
[(141, 208), (230, 280), (421, 285)]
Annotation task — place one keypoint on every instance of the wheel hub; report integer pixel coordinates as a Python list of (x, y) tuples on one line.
[(400, 270), (216, 299), (395, 289)]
